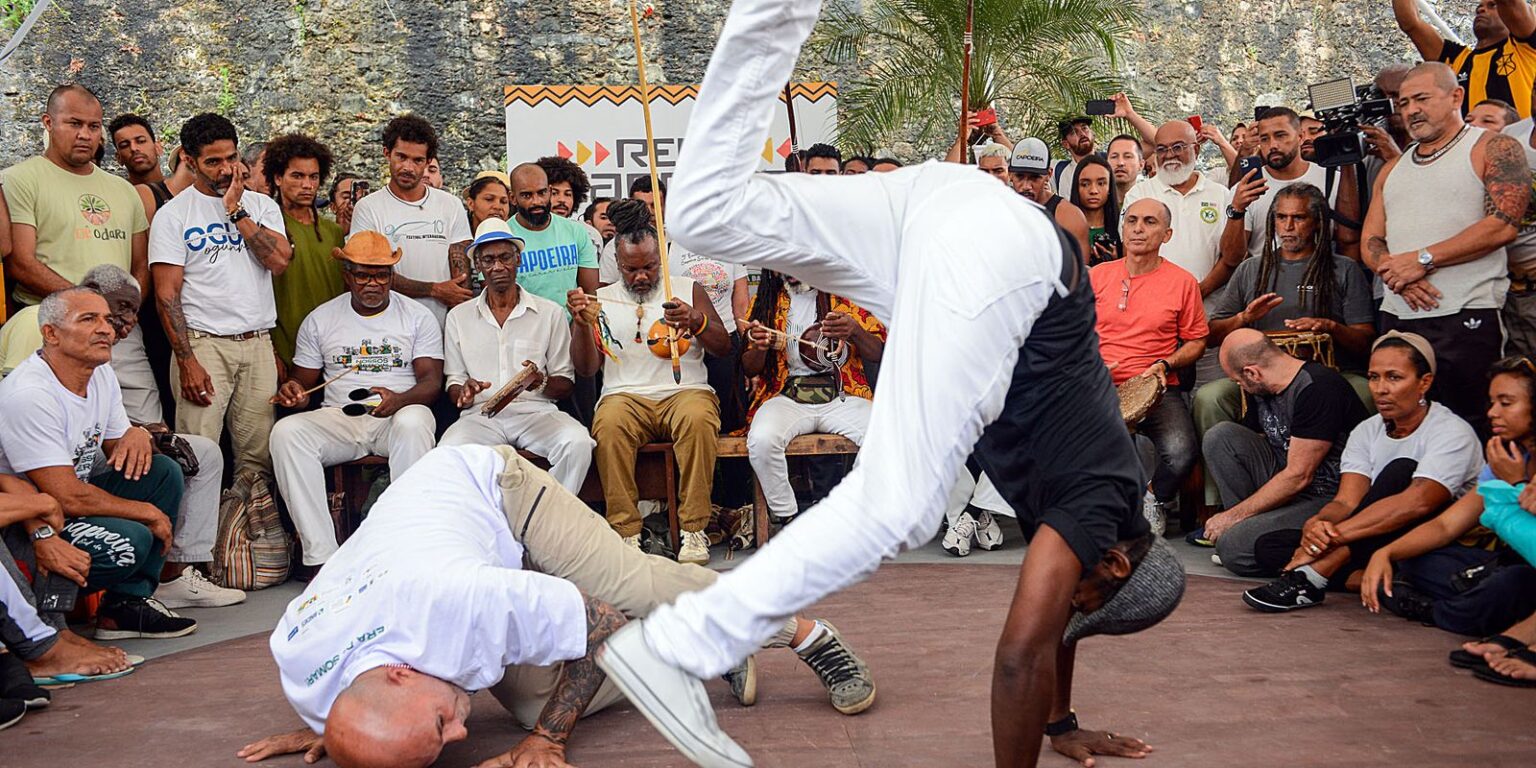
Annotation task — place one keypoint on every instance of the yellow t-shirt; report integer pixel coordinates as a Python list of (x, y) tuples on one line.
[(20, 338), (1504, 71), (81, 221)]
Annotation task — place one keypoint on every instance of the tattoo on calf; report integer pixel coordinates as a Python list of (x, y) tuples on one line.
[(579, 679), (1506, 180)]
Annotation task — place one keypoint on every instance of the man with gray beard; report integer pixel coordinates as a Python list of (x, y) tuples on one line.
[(1197, 201)]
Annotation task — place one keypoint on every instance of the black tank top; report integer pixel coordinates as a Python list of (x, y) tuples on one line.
[(1051, 206), (161, 192)]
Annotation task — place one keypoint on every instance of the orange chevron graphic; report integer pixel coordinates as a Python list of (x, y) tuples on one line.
[(560, 95)]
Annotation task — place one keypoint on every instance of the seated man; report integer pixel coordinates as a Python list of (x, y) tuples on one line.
[(63, 427), (441, 558), (792, 398), (1280, 465), (1298, 284), (486, 340), (1151, 323), (184, 583), (1404, 464), (382, 356), (643, 399)]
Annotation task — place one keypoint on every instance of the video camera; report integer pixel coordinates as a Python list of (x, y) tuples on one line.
[(1343, 108)]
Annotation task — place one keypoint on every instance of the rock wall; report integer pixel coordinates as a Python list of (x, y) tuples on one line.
[(339, 69)]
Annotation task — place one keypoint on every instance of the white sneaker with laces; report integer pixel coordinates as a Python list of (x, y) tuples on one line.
[(695, 549), (1156, 516), (193, 590), (989, 535), (962, 531)]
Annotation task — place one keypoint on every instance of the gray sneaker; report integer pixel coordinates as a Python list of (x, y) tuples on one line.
[(672, 700), (743, 681), (849, 684)]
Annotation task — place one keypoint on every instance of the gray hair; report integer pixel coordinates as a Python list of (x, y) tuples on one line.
[(992, 149), (253, 151), (109, 278), (54, 307)]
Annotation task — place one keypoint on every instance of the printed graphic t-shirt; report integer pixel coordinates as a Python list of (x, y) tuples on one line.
[(335, 337), (1318, 405), (552, 255), (422, 230), (224, 289), (42, 424)]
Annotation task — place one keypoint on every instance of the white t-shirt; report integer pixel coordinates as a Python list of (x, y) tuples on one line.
[(1445, 447), (1198, 220), (42, 424), (1256, 218), (335, 337), (476, 347), (717, 277), (638, 372), (802, 315), (423, 230), (432, 579), (224, 289)]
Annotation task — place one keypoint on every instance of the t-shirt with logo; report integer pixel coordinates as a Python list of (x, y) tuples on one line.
[(224, 289), (82, 221), (383, 346), (43, 424), (422, 231), (1198, 220), (552, 255), (1505, 71), (1317, 405)]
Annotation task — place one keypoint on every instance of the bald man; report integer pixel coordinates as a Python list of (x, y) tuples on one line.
[(430, 600), (558, 255)]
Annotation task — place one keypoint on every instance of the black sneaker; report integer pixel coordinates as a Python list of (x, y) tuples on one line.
[(11, 712), (16, 683), (1409, 603), (124, 618), (1287, 593), (846, 676)]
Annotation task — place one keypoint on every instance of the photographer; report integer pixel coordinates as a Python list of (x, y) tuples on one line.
[(1500, 65)]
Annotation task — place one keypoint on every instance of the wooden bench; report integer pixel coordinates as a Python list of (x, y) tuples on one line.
[(655, 475)]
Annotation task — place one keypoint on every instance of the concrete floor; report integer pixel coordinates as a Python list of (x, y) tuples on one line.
[(1215, 685)]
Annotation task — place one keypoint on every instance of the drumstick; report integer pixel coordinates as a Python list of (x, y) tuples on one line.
[(322, 385)]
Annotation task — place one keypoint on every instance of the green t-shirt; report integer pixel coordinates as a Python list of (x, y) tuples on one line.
[(552, 255), (312, 278), (81, 221)]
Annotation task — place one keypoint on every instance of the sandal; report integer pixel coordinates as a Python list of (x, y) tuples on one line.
[(1464, 659), (1488, 673)]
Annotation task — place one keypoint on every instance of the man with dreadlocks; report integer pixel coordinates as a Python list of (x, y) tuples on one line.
[(795, 395), (1298, 284), (641, 401), (992, 350)]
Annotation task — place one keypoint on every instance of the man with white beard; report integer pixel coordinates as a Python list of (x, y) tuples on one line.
[(1197, 201)]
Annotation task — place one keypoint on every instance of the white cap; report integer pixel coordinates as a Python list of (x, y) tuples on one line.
[(1030, 156)]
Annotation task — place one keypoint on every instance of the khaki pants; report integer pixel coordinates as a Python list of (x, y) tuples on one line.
[(624, 423), (244, 376), (563, 537)]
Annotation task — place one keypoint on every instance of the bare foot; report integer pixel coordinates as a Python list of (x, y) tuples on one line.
[(1512, 666), (112, 652), (66, 657)]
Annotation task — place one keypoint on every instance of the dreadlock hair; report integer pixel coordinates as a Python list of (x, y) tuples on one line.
[(1320, 270), (769, 288), (632, 221)]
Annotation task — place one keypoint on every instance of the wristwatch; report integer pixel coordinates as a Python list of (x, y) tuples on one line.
[(1426, 260), (44, 531), (1234, 214)]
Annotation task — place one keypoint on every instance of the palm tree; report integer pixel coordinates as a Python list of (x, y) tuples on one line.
[(1035, 60)]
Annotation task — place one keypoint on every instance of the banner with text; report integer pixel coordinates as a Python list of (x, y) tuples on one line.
[(602, 127)]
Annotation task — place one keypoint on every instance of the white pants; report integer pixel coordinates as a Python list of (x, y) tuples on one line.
[(198, 523), (536, 427), (780, 420), (304, 444), (21, 629), (957, 266), (975, 492)]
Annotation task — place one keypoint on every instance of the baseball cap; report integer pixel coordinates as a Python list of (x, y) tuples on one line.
[(1065, 126), (1030, 156), (491, 230), (368, 249)]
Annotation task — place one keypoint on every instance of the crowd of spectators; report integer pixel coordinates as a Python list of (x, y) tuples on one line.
[(1342, 366)]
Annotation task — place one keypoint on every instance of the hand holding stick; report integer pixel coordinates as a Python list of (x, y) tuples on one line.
[(316, 388)]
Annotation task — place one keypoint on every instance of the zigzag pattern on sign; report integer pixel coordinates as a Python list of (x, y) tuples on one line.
[(560, 95)]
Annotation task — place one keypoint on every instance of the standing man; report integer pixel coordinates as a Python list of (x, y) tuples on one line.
[(429, 226), (1439, 220), (1197, 201), (1028, 172), (1501, 64), (392, 352), (67, 214), (297, 167), (215, 249), (1278, 137), (568, 190), (1125, 162), (1021, 317), (139, 152), (557, 254)]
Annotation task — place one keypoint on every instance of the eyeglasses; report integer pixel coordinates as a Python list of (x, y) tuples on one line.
[(1177, 148), (1125, 293), (381, 278), (486, 262)]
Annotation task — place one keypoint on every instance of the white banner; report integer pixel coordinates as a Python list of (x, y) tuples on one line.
[(602, 127)]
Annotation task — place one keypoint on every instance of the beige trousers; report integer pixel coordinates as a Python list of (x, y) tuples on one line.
[(624, 423), (244, 376)]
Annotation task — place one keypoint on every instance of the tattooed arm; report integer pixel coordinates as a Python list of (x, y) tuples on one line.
[(196, 386), (578, 683), (1506, 192), (458, 259), (270, 249)]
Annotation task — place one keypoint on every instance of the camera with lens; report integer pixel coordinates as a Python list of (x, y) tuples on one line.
[(1343, 108)]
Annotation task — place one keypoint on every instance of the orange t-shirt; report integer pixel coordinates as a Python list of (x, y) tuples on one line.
[(1143, 319)]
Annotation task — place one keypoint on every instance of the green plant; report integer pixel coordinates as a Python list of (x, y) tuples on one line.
[(301, 10), (13, 12), (1035, 60), (226, 102)]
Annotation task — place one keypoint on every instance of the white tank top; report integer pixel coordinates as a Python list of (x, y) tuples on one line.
[(639, 372), (1430, 203)]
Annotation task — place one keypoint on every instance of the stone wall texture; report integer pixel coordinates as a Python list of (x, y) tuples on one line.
[(339, 69)]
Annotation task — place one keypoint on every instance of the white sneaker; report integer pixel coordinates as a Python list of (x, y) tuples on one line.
[(1157, 517), (695, 549), (632, 541), (193, 590), (962, 530), (674, 701), (989, 535)]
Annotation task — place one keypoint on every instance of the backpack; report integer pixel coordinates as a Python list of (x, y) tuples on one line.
[(252, 551)]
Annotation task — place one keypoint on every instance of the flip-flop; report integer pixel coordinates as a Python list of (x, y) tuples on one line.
[(71, 678), (1488, 673), (1463, 659)]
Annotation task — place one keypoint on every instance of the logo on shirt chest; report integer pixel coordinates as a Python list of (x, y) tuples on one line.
[(212, 240), (97, 213), (371, 357), (1208, 213)]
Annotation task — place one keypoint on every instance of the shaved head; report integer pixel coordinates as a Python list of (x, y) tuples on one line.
[(56, 96), (394, 717), (1440, 74), (528, 176), (1246, 346)]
